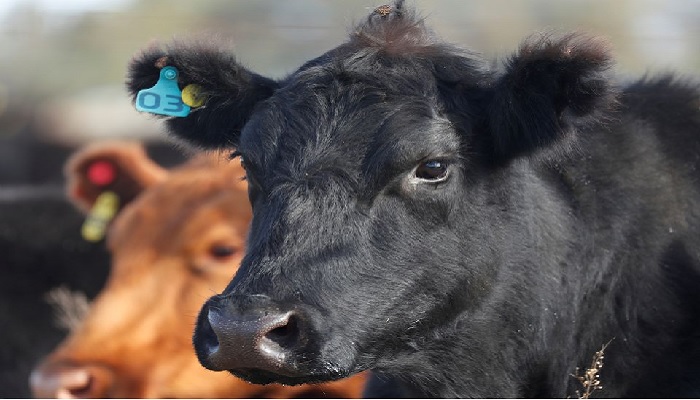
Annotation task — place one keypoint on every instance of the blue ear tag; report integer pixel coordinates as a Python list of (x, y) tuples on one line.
[(165, 97)]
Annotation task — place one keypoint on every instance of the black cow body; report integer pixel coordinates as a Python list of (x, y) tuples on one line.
[(466, 232)]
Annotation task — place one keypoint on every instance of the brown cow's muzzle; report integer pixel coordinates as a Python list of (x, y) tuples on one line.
[(66, 381)]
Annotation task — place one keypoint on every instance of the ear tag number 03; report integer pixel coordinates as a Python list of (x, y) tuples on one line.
[(165, 98)]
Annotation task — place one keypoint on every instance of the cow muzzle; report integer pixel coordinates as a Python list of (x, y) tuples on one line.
[(259, 338), (68, 381)]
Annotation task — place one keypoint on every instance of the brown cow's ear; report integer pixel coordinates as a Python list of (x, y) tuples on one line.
[(118, 167), (551, 88)]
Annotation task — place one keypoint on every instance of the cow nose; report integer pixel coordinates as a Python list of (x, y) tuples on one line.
[(264, 339), (71, 382)]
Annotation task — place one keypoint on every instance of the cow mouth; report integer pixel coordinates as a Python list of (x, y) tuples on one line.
[(263, 377)]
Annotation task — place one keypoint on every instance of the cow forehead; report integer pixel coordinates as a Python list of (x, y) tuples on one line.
[(332, 115), (157, 219)]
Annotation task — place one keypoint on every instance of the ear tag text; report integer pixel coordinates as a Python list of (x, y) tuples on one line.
[(102, 212), (165, 98)]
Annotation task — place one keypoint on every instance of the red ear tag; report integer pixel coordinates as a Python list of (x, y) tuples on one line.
[(101, 173)]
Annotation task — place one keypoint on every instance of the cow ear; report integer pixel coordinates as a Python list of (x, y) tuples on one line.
[(121, 168), (229, 91), (550, 88)]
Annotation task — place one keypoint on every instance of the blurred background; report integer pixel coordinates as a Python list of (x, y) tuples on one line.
[(62, 63), (62, 68)]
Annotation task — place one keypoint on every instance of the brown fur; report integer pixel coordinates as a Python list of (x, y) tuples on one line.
[(136, 339)]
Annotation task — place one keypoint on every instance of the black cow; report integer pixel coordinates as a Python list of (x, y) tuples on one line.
[(464, 231)]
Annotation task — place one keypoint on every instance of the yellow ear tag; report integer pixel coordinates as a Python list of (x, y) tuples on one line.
[(192, 95), (104, 210)]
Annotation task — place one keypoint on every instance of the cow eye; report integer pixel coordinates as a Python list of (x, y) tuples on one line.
[(432, 171), (222, 251)]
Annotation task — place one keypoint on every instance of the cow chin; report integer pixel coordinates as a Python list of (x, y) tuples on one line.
[(262, 377)]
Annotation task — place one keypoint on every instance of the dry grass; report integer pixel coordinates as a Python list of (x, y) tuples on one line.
[(590, 380), (70, 307)]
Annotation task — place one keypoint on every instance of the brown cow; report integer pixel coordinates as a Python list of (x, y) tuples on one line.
[(177, 239)]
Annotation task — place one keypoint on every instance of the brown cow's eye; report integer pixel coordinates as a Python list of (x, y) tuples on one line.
[(432, 170), (222, 251)]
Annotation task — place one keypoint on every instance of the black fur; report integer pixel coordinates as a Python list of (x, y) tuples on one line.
[(551, 88), (570, 217)]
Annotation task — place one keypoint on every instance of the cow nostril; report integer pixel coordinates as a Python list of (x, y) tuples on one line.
[(77, 390), (66, 382), (286, 336), (208, 335)]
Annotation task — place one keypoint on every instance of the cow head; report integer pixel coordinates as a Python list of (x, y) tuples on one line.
[(376, 175)]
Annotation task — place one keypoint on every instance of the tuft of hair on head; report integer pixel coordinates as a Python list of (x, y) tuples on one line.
[(394, 29)]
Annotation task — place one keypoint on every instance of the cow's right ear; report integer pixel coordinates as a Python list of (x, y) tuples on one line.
[(229, 91), (551, 88), (121, 168)]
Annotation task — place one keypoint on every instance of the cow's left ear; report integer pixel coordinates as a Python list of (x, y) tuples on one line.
[(228, 91), (550, 88)]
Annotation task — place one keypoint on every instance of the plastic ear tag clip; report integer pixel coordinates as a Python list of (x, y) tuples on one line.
[(192, 95), (104, 210), (165, 98)]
